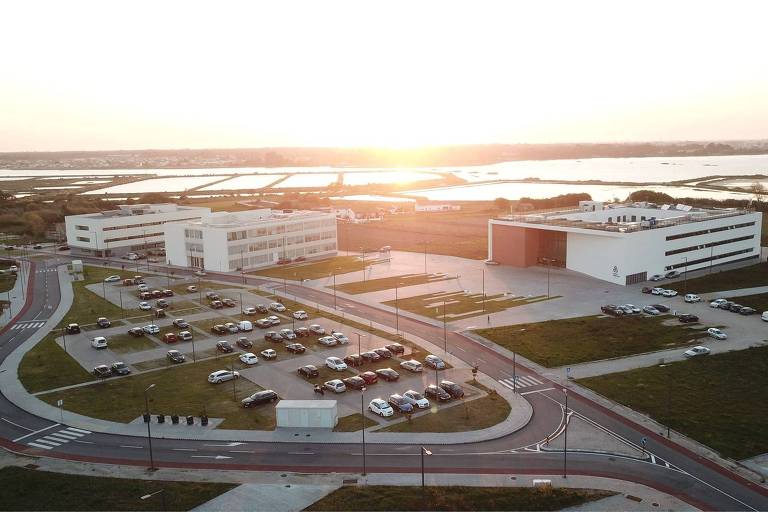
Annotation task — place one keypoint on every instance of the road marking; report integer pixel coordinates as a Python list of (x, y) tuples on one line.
[(537, 391), (184, 449), (653, 459), (64, 437), (40, 446), (523, 381), (48, 441), (130, 446), (301, 453), (84, 442), (228, 445), (458, 347), (79, 430), (240, 451), (36, 432), (217, 457), (16, 424), (68, 432)]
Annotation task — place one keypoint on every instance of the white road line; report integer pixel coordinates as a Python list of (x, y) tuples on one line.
[(184, 449), (79, 430), (537, 391), (240, 451), (301, 453), (130, 446), (653, 459), (70, 433), (458, 347), (36, 432), (48, 441), (64, 437), (16, 424), (40, 446), (84, 442)]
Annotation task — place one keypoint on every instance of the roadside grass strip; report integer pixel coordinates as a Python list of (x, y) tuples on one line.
[(387, 283)]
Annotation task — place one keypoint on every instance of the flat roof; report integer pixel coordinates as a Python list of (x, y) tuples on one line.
[(255, 217), (306, 404)]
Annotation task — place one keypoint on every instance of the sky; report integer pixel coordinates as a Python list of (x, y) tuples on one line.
[(102, 75)]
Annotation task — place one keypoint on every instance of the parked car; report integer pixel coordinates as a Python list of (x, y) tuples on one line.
[(103, 322), (717, 303), (136, 332), (244, 342), (277, 307), (746, 310), (334, 363), (354, 382), (630, 309), (690, 298), (222, 376), (400, 404), (156, 294), (112, 279), (217, 304), (180, 323), (687, 318), (727, 305), (656, 277), (159, 313), (328, 341), (716, 333), (264, 323), (143, 288), (657, 291), (245, 326), (228, 302), (388, 374), (200, 273), (370, 377), (650, 310), (145, 296), (612, 309), (185, 336), (249, 310), (308, 371), (669, 293), (661, 307), (340, 337), (301, 332), (412, 366), (260, 397), (151, 329), (248, 358), (287, 334), (296, 348), (452, 389), (275, 320), (646, 289), (395, 348), (167, 293), (145, 306), (316, 329), (99, 342), (380, 407), (73, 329), (416, 399), (191, 288), (162, 303), (61, 248), (218, 329), (170, 337), (102, 371), (262, 308), (370, 357), (175, 356), (272, 336), (37, 246), (120, 368), (383, 353), (434, 362), (437, 393), (268, 353), (353, 360), (764, 316), (300, 315), (697, 351), (335, 385), (224, 346)]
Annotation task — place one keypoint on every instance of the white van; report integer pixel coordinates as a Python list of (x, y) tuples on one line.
[(245, 325), (764, 316), (99, 342)]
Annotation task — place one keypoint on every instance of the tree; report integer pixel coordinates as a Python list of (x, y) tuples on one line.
[(650, 196), (6, 196), (759, 191), (502, 203)]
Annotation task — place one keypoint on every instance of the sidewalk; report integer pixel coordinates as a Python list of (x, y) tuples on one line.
[(17, 294)]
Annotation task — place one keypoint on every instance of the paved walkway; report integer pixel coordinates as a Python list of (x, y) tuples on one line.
[(15, 295), (268, 497)]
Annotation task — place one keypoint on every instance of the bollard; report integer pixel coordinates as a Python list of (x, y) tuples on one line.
[(161, 418), (175, 419), (190, 420), (204, 420), (147, 417)]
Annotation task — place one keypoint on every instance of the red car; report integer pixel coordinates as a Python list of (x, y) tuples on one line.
[(170, 337), (369, 377)]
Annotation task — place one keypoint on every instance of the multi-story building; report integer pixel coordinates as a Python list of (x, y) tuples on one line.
[(626, 243), (246, 240), (129, 228)]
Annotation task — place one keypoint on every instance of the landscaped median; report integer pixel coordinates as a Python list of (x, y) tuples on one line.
[(556, 343), (315, 269), (387, 283)]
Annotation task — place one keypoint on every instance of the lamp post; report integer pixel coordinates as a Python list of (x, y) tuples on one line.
[(565, 451), (483, 290), (424, 452), (334, 289), (362, 250), (445, 332), (234, 381), (425, 257), (362, 413), (161, 492), (149, 429), (64, 338), (711, 257), (514, 374), (397, 312), (669, 394), (685, 276)]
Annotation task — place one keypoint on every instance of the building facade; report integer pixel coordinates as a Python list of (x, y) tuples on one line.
[(626, 243), (129, 228), (251, 239)]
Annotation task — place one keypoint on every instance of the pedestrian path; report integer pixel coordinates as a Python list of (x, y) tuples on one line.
[(523, 381), (29, 324), (54, 439)]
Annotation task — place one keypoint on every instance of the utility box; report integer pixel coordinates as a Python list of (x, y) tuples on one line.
[(77, 266), (307, 413)]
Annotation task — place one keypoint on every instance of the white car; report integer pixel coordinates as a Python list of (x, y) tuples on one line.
[(764, 316), (232, 328), (335, 385), (669, 293), (657, 291), (412, 366), (268, 353), (717, 302), (249, 358), (697, 351), (200, 273), (191, 289), (316, 329), (300, 315), (111, 279), (99, 342), (656, 277), (151, 329), (287, 334), (434, 362), (13, 268), (416, 399), (328, 341), (334, 363), (691, 298), (145, 306), (250, 310), (380, 407), (185, 336), (650, 310), (222, 376), (276, 306), (630, 309), (340, 337), (273, 320), (143, 288), (716, 333)]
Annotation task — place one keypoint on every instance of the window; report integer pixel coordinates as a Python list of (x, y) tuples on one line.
[(83, 239), (704, 260), (708, 245), (193, 233), (236, 235), (710, 230), (82, 228)]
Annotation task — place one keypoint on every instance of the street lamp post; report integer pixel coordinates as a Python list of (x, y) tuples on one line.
[(149, 430), (362, 427), (424, 452), (565, 451), (161, 492), (425, 258), (685, 276), (334, 289), (483, 289), (445, 332), (514, 374), (397, 313)]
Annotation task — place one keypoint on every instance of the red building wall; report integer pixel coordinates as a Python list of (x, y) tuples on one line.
[(514, 245)]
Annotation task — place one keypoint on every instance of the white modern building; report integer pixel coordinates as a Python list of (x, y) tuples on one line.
[(129, 228), (224, 241), (626, 243)]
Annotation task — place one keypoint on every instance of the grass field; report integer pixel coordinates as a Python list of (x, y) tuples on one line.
[(717, 400), (314, 269), (202, 287), (181, 389), (744, 277), (759, 301), (590, 338), (47, 366), (28, 489), (124, 343), (387, 283), (7, 281), (460, 305), (455, 498), (353, 423)]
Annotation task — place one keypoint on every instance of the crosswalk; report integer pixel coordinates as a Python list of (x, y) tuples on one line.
[(27, 325), (54, 439), (43, 270), (523, 381)]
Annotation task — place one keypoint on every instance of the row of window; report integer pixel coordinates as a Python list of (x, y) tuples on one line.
[(710, 230), (708, 245), (193, 233), (279, 229), (132, 237), (278, 242), (147, 224), (709, 258), (260, 259)]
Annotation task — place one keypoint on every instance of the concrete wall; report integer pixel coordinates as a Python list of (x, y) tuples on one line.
[(307, 413)]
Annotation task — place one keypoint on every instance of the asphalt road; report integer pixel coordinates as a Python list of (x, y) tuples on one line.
[(671, 469)]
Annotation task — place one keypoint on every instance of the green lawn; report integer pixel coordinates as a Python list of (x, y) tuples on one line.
[(590, 338), (181, 389), (87, 306), (460, 305), (470, 415), (456, 498), (203, 286), (47, 366), (315, 269), (744, 277), (353, 423), (387, 283), (759, 301), (28, 489), (124, 343), (7, 282), (717, 400)]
